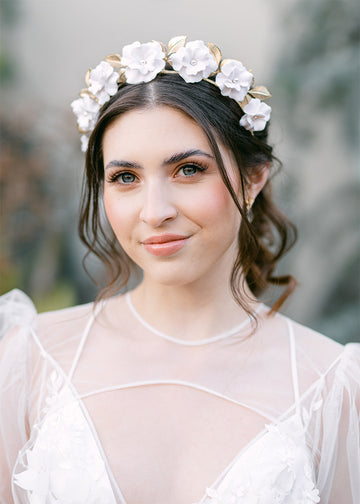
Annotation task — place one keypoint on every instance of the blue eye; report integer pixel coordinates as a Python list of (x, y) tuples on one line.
[(126, 178), (190, 170), (122, 178)]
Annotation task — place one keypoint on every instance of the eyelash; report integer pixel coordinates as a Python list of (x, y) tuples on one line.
[(200, 167), (115, 177)]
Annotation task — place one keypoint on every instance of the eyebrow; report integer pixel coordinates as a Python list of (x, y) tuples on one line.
[(175, 158), (120, 163)]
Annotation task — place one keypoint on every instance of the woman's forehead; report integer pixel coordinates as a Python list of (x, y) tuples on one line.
[(161, 129)]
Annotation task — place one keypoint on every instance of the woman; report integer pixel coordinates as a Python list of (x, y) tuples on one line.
[(186, 389)]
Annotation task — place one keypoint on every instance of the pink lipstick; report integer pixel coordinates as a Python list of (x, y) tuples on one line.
[(165, 244)]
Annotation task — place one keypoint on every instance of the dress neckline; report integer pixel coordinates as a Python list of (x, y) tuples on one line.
[(200, 342)]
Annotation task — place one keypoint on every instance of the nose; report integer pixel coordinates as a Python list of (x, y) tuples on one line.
[(157, 204)]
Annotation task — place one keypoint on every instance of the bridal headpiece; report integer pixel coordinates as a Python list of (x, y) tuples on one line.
[(193, 61)]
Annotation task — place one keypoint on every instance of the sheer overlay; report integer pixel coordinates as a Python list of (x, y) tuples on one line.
[(96, 406)]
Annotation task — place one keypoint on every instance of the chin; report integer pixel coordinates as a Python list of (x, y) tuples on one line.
[(172, 277)]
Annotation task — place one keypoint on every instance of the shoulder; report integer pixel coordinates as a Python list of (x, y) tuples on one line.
[(17, 309), (320, 356), (20, 321), (315, 354), (73, 318), (322, 350)]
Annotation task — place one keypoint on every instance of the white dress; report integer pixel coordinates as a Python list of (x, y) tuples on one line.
[(98, 407)]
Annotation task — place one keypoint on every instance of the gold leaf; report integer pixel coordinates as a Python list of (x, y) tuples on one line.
[(84, 92), (87, 77), (245, 101), (215, 51), (260, 92), (122, 77), (175, 43), (82, 131), (114, 60)]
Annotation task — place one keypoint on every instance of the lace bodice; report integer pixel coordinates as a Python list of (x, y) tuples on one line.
[(306, 442)]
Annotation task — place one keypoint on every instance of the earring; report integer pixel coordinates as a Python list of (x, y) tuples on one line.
[(249, 203)]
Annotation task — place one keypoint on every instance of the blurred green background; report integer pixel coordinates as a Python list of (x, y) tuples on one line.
[(306, 52)]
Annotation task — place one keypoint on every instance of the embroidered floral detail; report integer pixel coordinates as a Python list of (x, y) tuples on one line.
[(234, 80), (311, 492), (194, 61), (274, 470), (142, 61), (256, 115), (103, 82), (64, 465)]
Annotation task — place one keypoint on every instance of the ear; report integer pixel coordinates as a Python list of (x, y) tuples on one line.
[(257, 181)]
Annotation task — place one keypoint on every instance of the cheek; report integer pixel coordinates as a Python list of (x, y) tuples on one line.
[(117, 211), (215, 205)]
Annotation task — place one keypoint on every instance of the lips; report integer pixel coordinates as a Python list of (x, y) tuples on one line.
[(165, 244)]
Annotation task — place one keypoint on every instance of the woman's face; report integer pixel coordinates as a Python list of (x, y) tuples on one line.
[(165, 199)]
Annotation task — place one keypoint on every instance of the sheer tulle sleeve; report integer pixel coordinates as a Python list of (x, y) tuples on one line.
[(17, 315), (338, 436)]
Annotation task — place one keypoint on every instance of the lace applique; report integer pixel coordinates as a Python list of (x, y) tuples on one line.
[(275, 470), (64, 465)]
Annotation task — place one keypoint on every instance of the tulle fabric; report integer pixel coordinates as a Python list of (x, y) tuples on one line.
[(65, 368)]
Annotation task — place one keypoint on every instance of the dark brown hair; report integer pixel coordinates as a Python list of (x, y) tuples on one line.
[(262, 240)]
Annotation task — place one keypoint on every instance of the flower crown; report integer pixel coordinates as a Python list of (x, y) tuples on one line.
[(193, 61)]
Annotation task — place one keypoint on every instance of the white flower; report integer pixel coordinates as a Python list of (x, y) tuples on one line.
[(234, 80), (84, 142), (142, 61), (86, 110), (194, 61), (256, 115), (103, 82)]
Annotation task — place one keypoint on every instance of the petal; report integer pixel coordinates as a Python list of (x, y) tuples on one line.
[(259, 124), (252, 107), (133, 76), (246, 121), (237, 94), (190, 78), (127, 51), (84, 142)]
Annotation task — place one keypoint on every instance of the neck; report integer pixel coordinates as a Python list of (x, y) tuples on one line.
[(190, 312)]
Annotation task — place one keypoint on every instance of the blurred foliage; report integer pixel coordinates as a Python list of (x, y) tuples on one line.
[(317, 79), (320, 68), (9, 11), (37, 220), (7, 71), (25, 193), (9, 14)]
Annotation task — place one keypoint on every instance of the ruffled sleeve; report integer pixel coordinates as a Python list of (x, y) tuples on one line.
[(338, 437), (17, 319)]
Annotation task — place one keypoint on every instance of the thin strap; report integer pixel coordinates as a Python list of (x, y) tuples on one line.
[(175, 382), (200, 342), (294, 371), (84, 336)]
